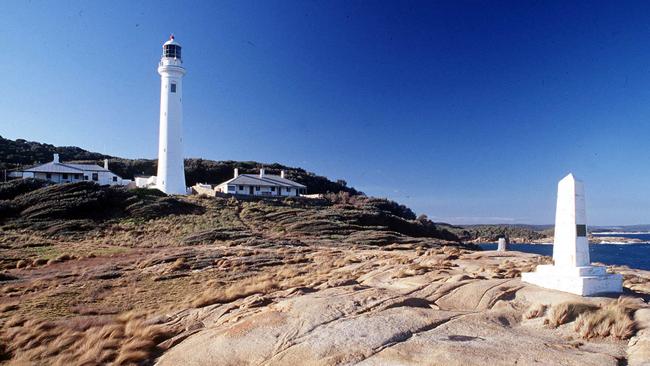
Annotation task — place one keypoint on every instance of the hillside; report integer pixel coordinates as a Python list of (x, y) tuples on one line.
[(84, 207), (622, 228), (491, 233), (18, 153)]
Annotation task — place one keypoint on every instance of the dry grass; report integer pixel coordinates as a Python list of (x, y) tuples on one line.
[(122, 340), (507, 269), (326, 269), (451, 252), (442, 263), (504, 269), (178, 265), (39, 262), (410, 270), (65, 257), (567, 312), (615, 319), (257, 284), (8, 307), (535, 311)]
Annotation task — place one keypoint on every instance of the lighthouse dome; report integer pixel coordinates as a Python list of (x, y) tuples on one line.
[(171, 48)]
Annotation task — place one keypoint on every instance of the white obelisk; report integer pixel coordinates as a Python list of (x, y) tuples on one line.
[(171, 171), (571, 247), (572, 270)]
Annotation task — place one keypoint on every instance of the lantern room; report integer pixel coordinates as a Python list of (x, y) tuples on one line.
[(172, 49)]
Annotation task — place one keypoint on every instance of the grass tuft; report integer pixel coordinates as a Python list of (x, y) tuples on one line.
[(615, 319), (567, 312), (535, 311)]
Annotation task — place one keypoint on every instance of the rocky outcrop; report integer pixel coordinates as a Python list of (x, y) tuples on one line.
[(452, 316), (135, 277)]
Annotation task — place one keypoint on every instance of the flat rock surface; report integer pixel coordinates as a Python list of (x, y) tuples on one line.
[(444, 316)]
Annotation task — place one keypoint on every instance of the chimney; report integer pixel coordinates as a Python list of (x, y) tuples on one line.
[(261, 172), (282, 174), (56, 158), (236, 172), (106, 164)]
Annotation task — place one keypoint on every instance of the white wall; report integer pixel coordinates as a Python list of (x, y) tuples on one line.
[(56, 177), (263, 191), (145, 182), (171, 171), (103, 178)]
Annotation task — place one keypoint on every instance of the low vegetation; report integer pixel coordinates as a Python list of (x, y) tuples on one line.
[(615, 318), (39, 205), (492, 233), (122, 340)]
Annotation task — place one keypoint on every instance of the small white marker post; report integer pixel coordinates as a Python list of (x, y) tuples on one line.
[(503, 245), (572, 270)]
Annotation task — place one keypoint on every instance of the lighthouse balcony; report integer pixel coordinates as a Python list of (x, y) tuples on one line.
[(171, 68)]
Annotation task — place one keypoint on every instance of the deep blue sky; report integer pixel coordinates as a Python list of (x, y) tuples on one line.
[(467, 111)]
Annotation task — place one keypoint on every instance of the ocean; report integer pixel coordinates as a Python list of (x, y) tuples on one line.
[(631, 255)]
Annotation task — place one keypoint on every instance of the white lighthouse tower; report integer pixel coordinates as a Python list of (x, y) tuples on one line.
[(171, 172)]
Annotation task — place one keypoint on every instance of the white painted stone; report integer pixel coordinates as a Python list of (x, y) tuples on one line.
[(503, 245), (171, 171), (572, 270), (570, 249)]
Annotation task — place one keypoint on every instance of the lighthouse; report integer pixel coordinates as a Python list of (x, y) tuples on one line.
[(171, 172)]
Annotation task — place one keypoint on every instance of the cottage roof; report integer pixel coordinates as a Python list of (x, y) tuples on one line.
[(53, 167), (268, 180), (93, 167)]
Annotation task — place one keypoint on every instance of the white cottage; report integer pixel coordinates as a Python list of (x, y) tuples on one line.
[(261, 185), (58, 172), (145, 181)]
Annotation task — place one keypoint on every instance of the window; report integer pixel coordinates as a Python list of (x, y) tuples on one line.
[(85, 177), (65, 176), (272, 189), (114, 179), (172, 88), (241, 188), (48, 175), (95, 177), (231, 188), (581, 230), (257, 188), (76, 176), (172, 50)]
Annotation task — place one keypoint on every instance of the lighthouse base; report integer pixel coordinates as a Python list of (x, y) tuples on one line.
[(583, 281)]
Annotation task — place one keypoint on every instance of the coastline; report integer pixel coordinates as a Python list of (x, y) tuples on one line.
[(621, 233), (592, 241), (551, 243)]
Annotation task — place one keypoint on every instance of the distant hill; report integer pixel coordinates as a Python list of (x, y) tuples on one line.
[(621, 228), (20, 153), (17, 153), (491, 233)]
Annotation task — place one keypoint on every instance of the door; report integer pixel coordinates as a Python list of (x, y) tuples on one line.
[(250, 190)]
